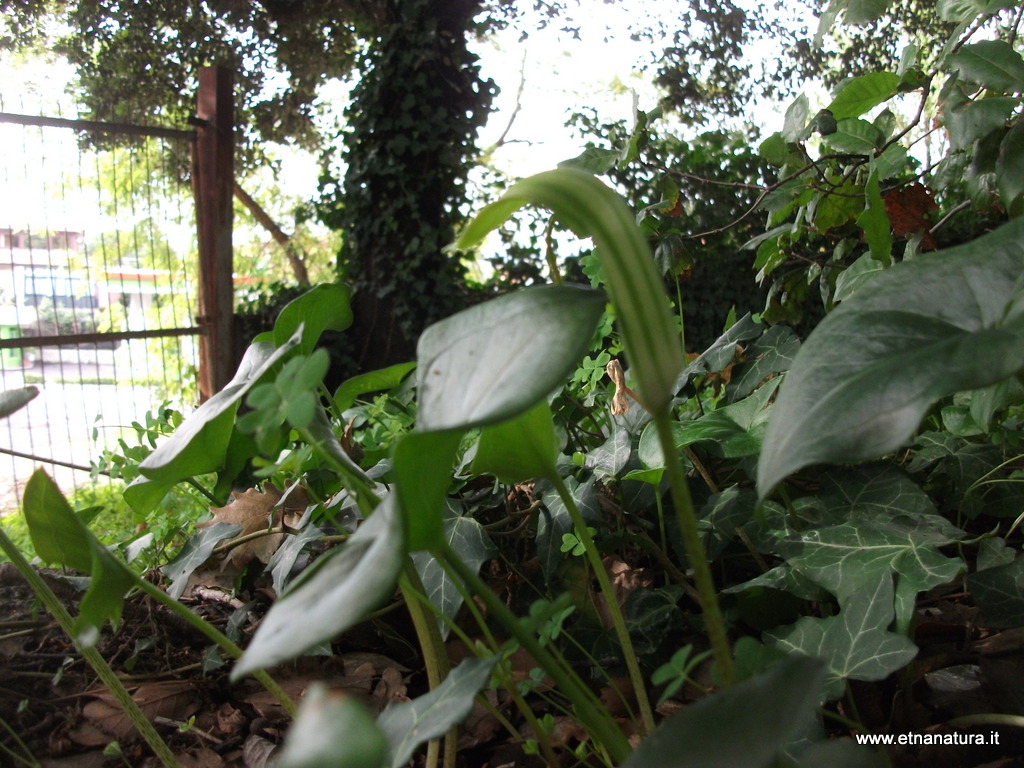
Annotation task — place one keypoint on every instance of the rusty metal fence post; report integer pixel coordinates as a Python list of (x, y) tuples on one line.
[(213, 186)]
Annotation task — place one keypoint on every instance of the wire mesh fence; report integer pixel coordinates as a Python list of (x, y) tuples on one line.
[(98, 286)]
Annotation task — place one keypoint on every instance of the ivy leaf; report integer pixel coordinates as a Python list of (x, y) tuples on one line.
[(923, 329), (409, 724), (854, 644), (735, 430), (772, 353), (197, 550), (860, 94), (611, 457), (333, 594), (999, 592), (889, 529), (470, 542), (554, 521), (993, 64)]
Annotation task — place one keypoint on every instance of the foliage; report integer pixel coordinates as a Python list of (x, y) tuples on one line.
[(417, 105), (783, 504)]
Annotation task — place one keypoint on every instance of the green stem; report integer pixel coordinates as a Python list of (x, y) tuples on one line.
[(29, 758), (687, 516), (435, 659), (91, 655), (611, 603), (217, 637), (599, 723)]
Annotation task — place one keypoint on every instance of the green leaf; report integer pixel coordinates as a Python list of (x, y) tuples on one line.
[(412, 723), (590, 208), (968, 121), (495, 360), (469, 540), (885, 533), (735, 430), (772, 353), (60, 537), (554, 521), (522, 448), (610, 457), (875, 223), (795, 123), (332, 595), (322, 308), (855, 644), (770, 710), (12, 400), (838, 207), (199, 445), (333, 729), (1010, 169), (999, 592), (859, 12), (860, 94), (374, 381), (855, 137), (593, 160), (422, 470), (924, 329), (993, 64), (854, 276), (197, 550), (55, 530)]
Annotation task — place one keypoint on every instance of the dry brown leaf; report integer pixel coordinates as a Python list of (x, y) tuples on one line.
[(172, 699), (909, 210), (200, 758), (257, 511), (390, 688), (258, 752)]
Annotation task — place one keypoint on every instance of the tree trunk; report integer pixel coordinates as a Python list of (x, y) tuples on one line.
[(412, 131)]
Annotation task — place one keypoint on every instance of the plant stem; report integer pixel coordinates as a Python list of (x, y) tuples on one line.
[(687, 516), (599, 724), (91, 655), (611, 603), (219, 638), (435, 658), (30, 759)]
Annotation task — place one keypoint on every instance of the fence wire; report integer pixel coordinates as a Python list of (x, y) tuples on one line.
[(98, 283)]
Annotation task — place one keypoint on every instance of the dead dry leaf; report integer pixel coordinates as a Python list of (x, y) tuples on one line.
[(171, 699), (257, 511)]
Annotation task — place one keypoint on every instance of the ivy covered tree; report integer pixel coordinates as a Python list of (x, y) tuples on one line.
[(417, 103)]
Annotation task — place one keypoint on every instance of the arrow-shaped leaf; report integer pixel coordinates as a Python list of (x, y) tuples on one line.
[(334, 594), (411, 723)]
